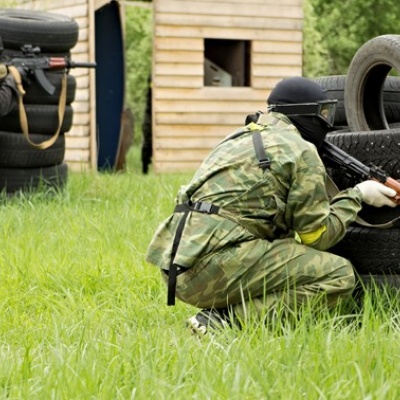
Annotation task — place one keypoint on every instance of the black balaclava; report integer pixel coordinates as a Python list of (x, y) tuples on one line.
[(302, 90)]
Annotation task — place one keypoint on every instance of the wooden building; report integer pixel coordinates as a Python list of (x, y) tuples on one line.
[(214, 62)]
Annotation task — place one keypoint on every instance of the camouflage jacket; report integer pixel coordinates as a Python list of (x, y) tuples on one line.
[(287, 200)]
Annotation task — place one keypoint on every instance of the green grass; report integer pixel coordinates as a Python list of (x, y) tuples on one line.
[(82, 316)]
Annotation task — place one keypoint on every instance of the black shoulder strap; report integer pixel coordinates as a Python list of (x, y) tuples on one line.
[(263, 161), (173, 268)]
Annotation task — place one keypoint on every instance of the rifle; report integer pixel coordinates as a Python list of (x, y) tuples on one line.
[(340, 158), (34, 63)]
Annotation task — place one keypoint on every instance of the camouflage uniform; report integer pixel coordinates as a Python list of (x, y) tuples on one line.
[(268, 241)]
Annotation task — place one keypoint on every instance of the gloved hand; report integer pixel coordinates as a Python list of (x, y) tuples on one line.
[(376, 194)]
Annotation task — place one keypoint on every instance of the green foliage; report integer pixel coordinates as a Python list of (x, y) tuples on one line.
[(8, 3), (138, 53), (343, 26), (315, 53)]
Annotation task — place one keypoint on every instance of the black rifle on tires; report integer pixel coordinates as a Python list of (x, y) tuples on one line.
[(33, 63), (334, 156)]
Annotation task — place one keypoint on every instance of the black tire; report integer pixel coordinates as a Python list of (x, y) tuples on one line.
[(334, 87), (391, 100), (380, 281), (16, 152), (51, 32), (41, 119), (381, 148), (365, 81), (371, 251), (9, 54), (13, 180), (35, 94)]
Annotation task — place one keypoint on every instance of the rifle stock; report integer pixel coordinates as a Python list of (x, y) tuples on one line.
[(341, 158)]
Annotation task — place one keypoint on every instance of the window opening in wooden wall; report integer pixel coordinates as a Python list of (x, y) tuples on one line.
[(226, 62)]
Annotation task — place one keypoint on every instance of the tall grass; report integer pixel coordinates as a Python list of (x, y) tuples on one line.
[(82, 316)]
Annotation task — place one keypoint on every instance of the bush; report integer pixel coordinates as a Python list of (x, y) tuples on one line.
[(138, 48)]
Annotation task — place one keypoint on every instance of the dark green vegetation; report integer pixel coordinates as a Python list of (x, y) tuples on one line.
[(334, 30)]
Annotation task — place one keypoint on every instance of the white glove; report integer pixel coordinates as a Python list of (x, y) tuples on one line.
[(376, 194)]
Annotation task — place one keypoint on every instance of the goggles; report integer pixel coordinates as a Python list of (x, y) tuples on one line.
[(324, 109)]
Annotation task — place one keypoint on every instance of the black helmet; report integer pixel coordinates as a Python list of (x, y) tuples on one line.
[(307, 106)]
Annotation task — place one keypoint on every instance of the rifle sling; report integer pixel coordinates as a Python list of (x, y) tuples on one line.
[(333, 190), (22, 113), (174, 269)]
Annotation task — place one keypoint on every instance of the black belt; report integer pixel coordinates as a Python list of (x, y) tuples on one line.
[(199, 206), (174, 269)]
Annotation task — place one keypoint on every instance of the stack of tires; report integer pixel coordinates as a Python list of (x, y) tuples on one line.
[(368, 121), (24, 167)]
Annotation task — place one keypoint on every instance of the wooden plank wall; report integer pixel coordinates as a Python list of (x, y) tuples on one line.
[(188, 118), (80, 140)]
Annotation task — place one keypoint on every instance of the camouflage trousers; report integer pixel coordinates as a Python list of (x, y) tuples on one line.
[(259, 274)]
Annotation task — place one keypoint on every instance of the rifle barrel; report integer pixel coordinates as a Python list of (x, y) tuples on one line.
[(73, 64)]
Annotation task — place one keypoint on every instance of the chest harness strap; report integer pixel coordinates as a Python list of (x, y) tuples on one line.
[(207, 208)]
